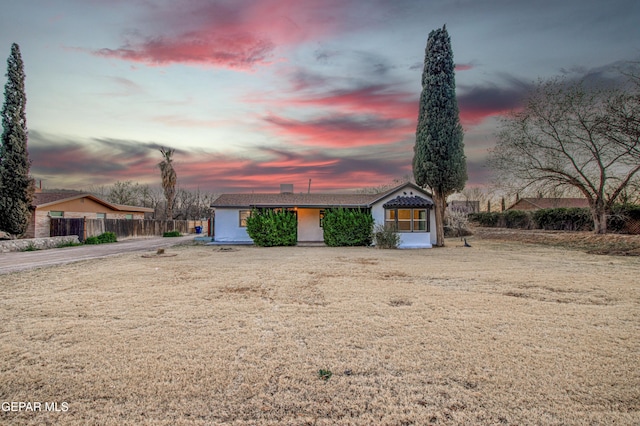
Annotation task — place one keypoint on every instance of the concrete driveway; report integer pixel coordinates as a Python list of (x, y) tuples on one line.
[(20, 261)]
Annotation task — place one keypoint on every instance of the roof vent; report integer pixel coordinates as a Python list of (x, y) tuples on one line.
[(286, 188)]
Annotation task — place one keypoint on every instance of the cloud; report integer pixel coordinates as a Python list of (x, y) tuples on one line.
[(314, 112), (75, 164), (379, 99), (237, 35), (93, 161), (338, 130), (477, 103), (464, 67), (237, 51)]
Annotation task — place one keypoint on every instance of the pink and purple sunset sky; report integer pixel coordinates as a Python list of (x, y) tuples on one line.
[(255, 93)]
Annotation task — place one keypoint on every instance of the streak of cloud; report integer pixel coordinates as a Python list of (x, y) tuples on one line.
[(81, 164), (237, 35)]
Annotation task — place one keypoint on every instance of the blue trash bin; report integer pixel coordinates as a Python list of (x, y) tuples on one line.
[(198, 229)]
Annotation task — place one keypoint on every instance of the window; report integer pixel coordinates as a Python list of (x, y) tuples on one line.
[(128, 216), (101, 215), (244, 214), (56, 214), (419, 220), (407, 220)]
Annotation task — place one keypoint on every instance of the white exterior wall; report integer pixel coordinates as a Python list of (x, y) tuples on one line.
[(227, 227), (407, 239)]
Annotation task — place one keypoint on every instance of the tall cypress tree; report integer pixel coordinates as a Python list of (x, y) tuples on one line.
[(439, 162), (16, 186)]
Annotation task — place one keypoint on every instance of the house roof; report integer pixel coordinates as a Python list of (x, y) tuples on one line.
[(47, 199), (549, 203), (293, 200), (408, 202), (307, 200)]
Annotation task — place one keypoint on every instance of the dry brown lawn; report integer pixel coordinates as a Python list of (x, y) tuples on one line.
[(500, 333)]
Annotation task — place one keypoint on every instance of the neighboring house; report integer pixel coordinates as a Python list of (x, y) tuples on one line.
[(408, 207), (548, 203), (75, 205), (466, 206)]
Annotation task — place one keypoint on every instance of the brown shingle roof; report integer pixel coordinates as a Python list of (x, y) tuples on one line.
[(40, 198), (294, 200), (46, 198), (548, 203), (305, 200)]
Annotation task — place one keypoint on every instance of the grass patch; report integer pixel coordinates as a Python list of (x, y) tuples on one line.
[(64, 244), (172, 234), (324, 374), (503, 333)]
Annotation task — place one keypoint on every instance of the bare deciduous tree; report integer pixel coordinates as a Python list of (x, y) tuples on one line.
[(457, 218), (571, 136), (125, 192), (193, 205)]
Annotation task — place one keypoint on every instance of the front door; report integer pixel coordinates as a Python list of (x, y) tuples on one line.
[(309, 226)]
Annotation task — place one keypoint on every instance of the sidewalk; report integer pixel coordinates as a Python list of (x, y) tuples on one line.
[(20, 261)]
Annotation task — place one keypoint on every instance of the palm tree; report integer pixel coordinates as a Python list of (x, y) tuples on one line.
[(169, 178)]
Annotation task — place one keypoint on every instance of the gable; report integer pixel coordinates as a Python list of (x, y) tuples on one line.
[(408, 195), (81, 203)]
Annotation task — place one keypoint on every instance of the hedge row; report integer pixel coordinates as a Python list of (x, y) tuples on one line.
[(560, 219)]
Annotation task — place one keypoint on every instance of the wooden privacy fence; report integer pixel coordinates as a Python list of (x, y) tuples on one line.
[(60, 227), (123, 228)]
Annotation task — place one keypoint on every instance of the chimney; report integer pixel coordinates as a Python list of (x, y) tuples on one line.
[(286, 188)]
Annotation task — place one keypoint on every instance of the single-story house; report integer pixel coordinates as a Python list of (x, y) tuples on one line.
[(75, 205), (407, 206), (548, 203)]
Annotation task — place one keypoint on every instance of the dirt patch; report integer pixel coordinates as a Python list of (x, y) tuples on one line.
[(609, 244), (500, 333)]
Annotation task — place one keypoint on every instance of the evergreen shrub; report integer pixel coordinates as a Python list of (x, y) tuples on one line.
[(347, 227), (486, 219), (107, 237), (269, 228)]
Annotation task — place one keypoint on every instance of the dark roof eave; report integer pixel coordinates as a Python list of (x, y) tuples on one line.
[(408, 206), (301, 206)]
